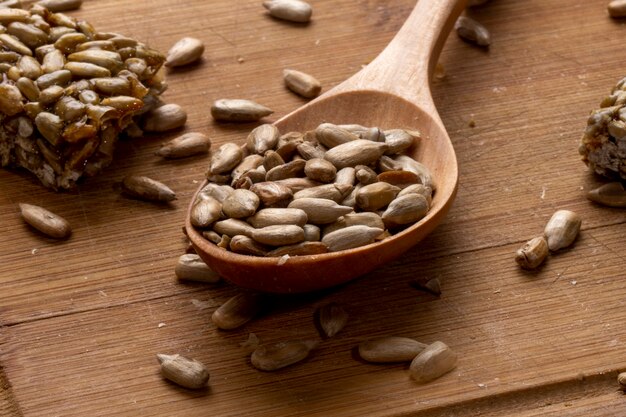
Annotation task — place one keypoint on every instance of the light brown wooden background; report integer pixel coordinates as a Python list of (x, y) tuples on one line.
[(80, 320)]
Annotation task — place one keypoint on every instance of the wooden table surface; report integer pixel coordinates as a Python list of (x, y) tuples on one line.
[(82, 320)]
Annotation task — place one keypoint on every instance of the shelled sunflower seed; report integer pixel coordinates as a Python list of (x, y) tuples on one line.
[(472, 31), (334, 188), (45, 221), (68, 91), (186, 51), (292, 10), (186, 372), (603, 144)]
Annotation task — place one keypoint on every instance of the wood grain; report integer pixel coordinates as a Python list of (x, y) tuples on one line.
[(79, 320)]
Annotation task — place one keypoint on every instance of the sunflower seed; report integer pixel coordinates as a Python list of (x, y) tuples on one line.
[(611, 195), (50, 126), (60, 5), (241, 203), (434, 361), (87, 70), (68, 42), (301, 83), (292, 10), (279, 355), (390, 349), (29, 35), (472, 31), (309, 151), (185, 51), (10, 99), (356, 152), (299, 249), (247, 246), (192, 268), (144, 188), (233, 227), (8, 15), (205, 212), (331, 135), (420, 189), (248, 163), (53, 61), (365, 175), (407, 209), (331, 318), (225, 158), (291, 169), (14, 44), (164, 118), (562, 229), (345, 175), (29, 67), (262, 139), (275, 216), (321, 170), (406, 163), (107, 59), (533, 253), (272, 159), (335, 192), (319, 210), (374, 196), (351, 237), (238, 310), (400, 179), (272, 193), (298, 184), (279, 235), (188, 373), (189, 144), (45, 221), (237, 110)]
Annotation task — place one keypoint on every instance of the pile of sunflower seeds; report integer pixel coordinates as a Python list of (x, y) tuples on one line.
[(67, 91), (334, 188)]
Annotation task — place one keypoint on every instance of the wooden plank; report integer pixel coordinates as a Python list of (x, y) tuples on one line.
[(522, 339), (81, 318)]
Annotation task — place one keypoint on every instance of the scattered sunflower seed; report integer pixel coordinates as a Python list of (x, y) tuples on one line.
[(434, 361), (184, 52), (611, 194), (238, 310), (331, 318), (390, 349), (192, 268), (188, 373), (533, 253), (144, 188), (279, 355), (60, 5), (562, 229), (301, 83), (45, 221), (292, 10), (238, 110), (189, 144), (167, 117), (472, 31)]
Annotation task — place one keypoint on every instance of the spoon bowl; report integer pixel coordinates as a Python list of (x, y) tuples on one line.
[(392, 92)]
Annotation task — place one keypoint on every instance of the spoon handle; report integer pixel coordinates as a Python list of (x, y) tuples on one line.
[(406, 65)]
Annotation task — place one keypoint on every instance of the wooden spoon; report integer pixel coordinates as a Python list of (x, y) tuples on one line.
[(391, 92)]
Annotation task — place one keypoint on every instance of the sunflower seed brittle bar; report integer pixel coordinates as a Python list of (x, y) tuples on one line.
[(67, 92)]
